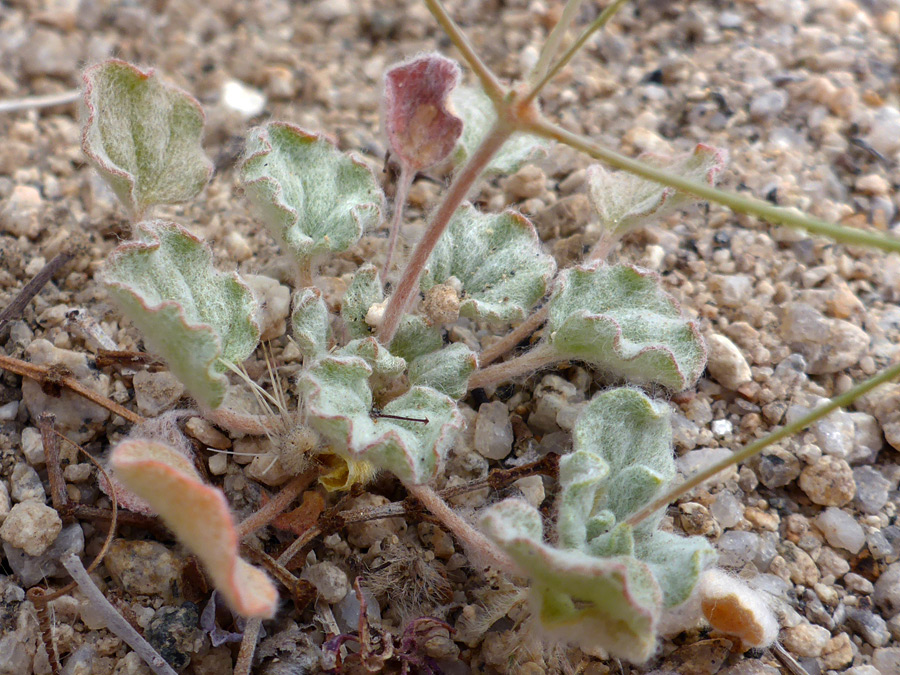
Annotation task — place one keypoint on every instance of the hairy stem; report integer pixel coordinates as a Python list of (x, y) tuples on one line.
[(514, 337), (489, 81), (44, 101), (548, 51), (596, 25), (753, 448), (114, 621), (403, 185), (738, 203), (535, 359), (277, 505), (455, 195), (305, 273), (49, 379), (480, 549)]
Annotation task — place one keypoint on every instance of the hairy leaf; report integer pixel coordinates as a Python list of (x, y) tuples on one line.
[(498, 260), (619, 319), (446, 370), (310, 320), (314, 198), (338, 404), (420, 129), (190, 314), (477, 112), (415, 338), (625, 201), (199, 516), (363, 292), (143, 136)]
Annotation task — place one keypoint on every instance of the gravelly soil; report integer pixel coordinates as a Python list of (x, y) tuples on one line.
[(803, 95)]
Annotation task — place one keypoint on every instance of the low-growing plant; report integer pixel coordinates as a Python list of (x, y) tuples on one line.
[(379, 384)]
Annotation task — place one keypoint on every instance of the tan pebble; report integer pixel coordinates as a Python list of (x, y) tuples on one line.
[(204, 432), (828, 482), (805, 640), (763, 520), (237, 247), (873, 184), (889, 22), (838, 652), (31, 526)]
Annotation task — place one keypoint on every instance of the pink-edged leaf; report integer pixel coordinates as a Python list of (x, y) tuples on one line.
[(199, 516), (420, 128)]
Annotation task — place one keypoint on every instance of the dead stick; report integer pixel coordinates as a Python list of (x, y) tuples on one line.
[(50, 440), (45, 377), (514, 337), (15, 309), (248, 647)]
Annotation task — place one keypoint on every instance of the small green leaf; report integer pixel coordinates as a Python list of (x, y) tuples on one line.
[(314, 198), (190, 314), (498, 260), (612, 602), (619, 319), (380, 360), (676, 562), (415, 338), (625, 201), (446, 370), (309, 318), (143, 136), (338, 404), (477, 112), (364, 291)]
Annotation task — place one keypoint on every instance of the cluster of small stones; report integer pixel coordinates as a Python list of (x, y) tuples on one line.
[(807, 112)]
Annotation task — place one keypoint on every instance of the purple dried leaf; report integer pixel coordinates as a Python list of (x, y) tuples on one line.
[(420, 128)]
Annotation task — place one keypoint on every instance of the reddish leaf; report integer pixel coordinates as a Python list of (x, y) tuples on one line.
[(420, 128)]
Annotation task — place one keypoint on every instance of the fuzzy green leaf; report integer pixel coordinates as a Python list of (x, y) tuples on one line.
[(446, 370), (625, 201), (415, 338), (338, 404), (619, 319), (364, 291), (498, 260), (611, 602), (380, 360), (310, 320), (190, 314), (314, 198), (143, 136), (676, 562), (477, 112)]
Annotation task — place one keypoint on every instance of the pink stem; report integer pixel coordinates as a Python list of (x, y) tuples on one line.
[(456, 193), (480, 549), (277, 505), (403, 185), (514, 337)]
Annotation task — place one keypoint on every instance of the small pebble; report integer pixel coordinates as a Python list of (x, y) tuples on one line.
[(203, 431), (329, 579), (274, 302), (8, 411), (242, 99), (174, 633), (5, 503), (365, 534), (156, 392), (869, 626), (31, 526), (828, 482), (218, 463), (20, 213), (768, 105), (238, 247), (493, 430), (143, 567), (727, 363), (887, 660), (33, 447), (737, 548), (25, 484), (31, 570), (777, 467), (871, 489), (805, 639), (527, 183), (838, 652), (727, 509), (841, 529), (887, 591)]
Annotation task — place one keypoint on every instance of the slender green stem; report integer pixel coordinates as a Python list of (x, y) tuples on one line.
[(596, 25), (548, 51), (489, 82), (400, 198), (753, 448), (456, 193), (738, 203)]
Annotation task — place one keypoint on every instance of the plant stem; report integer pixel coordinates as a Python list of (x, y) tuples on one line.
[(402, 194), (514, 337), (45, 101), (548, 51), (455, 195), (480, 549), (530, 361), (49, 379), (738, 203), (275, 506), (489, 82), (596, 25), (248, 647), (305, 273), (113, 620), (14, 310), (753, 448)]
